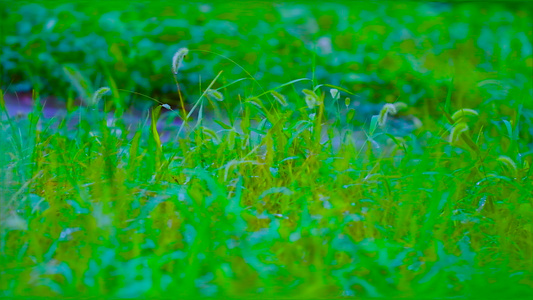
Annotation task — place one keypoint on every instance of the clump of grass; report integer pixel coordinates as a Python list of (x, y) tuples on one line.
[(263, 203)]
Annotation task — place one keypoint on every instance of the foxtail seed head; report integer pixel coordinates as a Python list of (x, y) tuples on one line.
[(463, 113), (456, 132), (178, 59), (388, 109), (215, 94), (280, 98), (508, 162), (399, 106), (255, 102), (98, 95)]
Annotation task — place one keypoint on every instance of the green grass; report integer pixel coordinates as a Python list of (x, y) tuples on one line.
[(296, 193), (229, 213)]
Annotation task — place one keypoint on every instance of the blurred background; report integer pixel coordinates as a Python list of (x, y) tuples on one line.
[(380, 51)]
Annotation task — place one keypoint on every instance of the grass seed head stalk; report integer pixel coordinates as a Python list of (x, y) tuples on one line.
[(508, 163), (388, 109), (215, 94), (456, 132), (98, 95), (463, 113), (399, 106), (280, 98), (178, 59), (255, 102)]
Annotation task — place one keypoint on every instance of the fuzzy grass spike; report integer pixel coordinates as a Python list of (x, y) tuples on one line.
[(388, 109), (99, 94), (463, 113), (280, 98), (177, 60), (456, 132), (215, 94)]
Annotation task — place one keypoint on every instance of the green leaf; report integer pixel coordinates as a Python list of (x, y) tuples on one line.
[(373, 124), (223, 125)]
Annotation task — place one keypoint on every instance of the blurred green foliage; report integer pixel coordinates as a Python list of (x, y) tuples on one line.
[(379, 50)]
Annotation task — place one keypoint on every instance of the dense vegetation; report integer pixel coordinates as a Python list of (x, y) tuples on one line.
[(336, 150)]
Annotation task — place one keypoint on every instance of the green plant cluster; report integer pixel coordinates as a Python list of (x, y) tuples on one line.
[(380, 51)]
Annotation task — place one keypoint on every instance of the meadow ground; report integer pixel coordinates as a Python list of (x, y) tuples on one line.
[(368, 150)]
